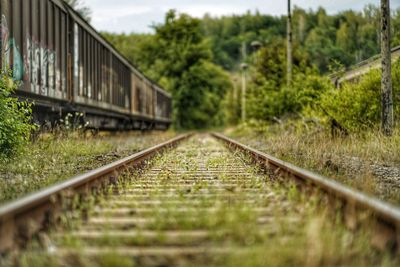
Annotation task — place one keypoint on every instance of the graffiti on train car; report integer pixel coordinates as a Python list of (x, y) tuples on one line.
[(39, 64), (9, 48), (44, 71), (36, 65), (51, 65)]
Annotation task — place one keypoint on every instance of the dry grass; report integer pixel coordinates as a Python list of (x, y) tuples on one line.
[(302, 232), (52, 159), (369, 161)]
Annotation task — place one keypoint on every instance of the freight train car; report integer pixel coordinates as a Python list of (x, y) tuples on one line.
[(66, 66)]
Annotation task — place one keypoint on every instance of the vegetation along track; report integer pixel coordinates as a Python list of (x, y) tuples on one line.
[(203, 203)]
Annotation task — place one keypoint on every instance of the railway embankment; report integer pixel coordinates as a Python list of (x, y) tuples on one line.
[(203, 202), (53, 158), (368, 162)]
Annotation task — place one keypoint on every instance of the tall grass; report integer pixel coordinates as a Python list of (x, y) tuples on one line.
[(54, 158), (368, 161)]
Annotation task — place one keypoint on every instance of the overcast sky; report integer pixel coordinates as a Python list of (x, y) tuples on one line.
[(137, 15)]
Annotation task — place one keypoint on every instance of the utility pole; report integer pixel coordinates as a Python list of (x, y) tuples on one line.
[(289, 46), (244, 51), (244, 67), (386, 83), (236, 104), (235, 91)]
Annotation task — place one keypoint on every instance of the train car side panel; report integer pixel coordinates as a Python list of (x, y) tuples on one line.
[(33, 41), (64, 65), (164, 106), (101, 80)]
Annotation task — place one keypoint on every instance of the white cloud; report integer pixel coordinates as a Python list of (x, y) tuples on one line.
[(200, 10), (138, 15)]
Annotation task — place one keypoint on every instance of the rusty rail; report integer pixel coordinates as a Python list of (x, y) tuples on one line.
[(22, 219), (386, 215)]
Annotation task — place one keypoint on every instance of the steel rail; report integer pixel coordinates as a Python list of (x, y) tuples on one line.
[(25, 217), (386, 214)]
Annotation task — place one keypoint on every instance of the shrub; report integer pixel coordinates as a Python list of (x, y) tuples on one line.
[(269, 102), (357, 106), (15, 119)]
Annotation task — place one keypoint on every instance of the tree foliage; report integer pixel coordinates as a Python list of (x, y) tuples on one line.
[(179, 57), (321, 42), (185, 68), (347, 37), (184, 52)]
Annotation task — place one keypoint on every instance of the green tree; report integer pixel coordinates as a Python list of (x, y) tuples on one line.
[(177, 57), (183, 64), (268, 96), (199, 96)]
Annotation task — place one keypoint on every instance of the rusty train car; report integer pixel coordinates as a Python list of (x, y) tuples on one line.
[(66, 67)]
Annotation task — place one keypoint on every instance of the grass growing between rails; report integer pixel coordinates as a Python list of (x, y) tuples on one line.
[(240, 216), (52, 159), (367, 161)]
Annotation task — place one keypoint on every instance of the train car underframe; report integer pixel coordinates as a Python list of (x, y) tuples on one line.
[(50, 116)]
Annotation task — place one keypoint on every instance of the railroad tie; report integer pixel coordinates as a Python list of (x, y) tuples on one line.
[(195, 204)]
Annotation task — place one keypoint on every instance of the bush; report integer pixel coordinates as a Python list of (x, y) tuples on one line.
[(357, 106), (267, 101), (268, 96), (15, 119)]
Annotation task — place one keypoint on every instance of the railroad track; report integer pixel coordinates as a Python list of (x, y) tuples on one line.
[(202, 203)]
